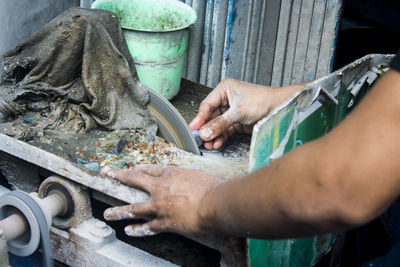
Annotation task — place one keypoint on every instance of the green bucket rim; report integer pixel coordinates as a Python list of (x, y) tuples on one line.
[(192, 18)]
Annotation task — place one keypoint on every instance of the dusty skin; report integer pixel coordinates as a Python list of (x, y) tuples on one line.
[(234, 107), (172, 198), (297, 195)]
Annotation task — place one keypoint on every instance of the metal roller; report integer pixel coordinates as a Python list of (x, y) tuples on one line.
[(25, 219), (77, 198), (32, 226)]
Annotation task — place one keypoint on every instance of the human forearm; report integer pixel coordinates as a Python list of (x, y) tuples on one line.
[(342, 180), (234, 107), (281, 94), (273, 202), (337, 182)]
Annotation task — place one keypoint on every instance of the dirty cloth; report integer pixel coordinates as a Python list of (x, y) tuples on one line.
[(74, 74)]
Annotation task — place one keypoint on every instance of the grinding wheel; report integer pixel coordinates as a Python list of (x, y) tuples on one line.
[(171, 125)]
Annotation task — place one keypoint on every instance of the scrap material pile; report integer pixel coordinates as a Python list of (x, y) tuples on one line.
[(119, 148)]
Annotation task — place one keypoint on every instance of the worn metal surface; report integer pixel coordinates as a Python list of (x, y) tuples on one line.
[(3, 250), (20, 18), (89, 243), (231, 162), (93, 243), (309, 114), (80, 201), (232, 249), (18, 172)]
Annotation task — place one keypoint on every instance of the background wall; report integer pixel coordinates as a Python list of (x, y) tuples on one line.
[(271, 42), (19, 18)]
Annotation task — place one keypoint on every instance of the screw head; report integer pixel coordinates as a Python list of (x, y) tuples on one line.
[(101, 230), (100, 225)]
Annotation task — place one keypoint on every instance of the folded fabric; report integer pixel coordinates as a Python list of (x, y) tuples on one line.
[(74, 74)]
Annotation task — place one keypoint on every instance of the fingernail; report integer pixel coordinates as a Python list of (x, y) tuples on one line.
[(107, 214), (107, 171), (138, 231), (205, 132), (115, 214)]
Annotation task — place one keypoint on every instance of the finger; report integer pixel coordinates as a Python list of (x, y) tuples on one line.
[(150, 169), (216, 126), (216, 113), (206, 108), (141, 210), (203, 115), (147, 229), (243, 129), (219, 141), (234, 129), (130, 177), (208, 145)]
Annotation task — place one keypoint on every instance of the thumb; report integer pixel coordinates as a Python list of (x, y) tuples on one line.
[(216, 126)]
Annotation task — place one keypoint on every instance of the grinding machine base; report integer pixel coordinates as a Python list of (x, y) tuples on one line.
[(87, 241)]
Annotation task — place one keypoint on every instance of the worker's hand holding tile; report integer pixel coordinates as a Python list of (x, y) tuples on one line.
[(234, 107)]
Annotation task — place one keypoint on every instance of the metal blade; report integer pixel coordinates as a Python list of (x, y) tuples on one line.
[(171, 125)]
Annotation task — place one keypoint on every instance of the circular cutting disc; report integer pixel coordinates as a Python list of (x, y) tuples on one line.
[(171, 125)]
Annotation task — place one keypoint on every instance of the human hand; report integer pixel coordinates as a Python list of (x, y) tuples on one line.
[(176, 197), (232, 107)]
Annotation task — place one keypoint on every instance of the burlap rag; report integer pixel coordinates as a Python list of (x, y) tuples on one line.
[(74, 74)]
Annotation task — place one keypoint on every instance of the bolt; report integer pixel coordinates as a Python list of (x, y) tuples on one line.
[(101, 230), (101, 225)]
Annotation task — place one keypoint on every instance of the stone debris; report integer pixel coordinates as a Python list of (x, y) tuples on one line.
[(125, 149)]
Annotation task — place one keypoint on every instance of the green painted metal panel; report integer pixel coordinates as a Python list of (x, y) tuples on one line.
[(311, 113)]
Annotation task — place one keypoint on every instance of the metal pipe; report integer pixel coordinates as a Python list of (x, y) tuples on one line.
[(15, 225), (55, 203)]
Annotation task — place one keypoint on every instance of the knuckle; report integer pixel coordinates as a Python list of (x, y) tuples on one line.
[(167, 172), (226, 119), (158, 226), (237, 127), (227, 81), (205, 106), (159, 206), (216, 125), (124, 177), (129, 172), (157, 188), (131, 208)]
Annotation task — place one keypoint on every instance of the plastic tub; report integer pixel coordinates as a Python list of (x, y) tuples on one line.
[(157, 33)]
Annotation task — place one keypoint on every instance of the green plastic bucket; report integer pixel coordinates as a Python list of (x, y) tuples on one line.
[(157, 33)]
